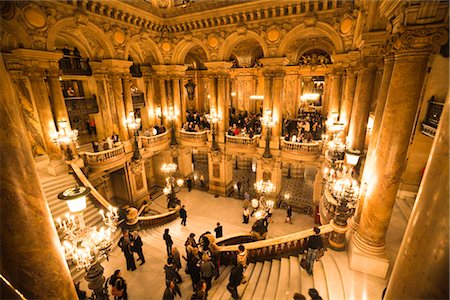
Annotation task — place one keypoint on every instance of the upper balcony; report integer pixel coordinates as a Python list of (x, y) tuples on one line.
[(154, 143), (194, 139), (242, 142), (106, 159), (75, 65), (312, 149)]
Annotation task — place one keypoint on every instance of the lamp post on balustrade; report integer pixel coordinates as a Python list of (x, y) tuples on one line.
[(170, 115), (134, 124), (268, 122), (171, 183), (213, 118)]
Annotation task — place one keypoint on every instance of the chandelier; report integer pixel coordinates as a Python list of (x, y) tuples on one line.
[(264, 187), (64, 136), (171, 183), (84, 245), (169, 169), (213, 117), (263, 205)]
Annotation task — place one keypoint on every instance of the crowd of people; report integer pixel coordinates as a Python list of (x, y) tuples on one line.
[(195, 122), (106, 144), (154, 130), (244, 124), (307, 128)]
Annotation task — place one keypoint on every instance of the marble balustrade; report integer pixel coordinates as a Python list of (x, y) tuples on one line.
[(290, 244), (243, 140), (152, 141), (105, 156), (200, 136), (305, 148), (157, 220)]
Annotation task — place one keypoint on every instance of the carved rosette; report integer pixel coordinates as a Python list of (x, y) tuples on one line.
[(216, 155), (420, 40)]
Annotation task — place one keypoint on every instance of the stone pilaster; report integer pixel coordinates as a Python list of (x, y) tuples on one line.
[(411, 51), (421, 268), (104, 103), (31, 259), (57, 98), (149, 117), (116, 85), (126, 84), (335, 93), (361, 105), (347, 99)]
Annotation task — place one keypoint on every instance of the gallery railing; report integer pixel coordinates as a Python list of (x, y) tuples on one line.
[(103, 157), (157, 220), (243, 140), (312, 148), (194, 137), (155, 140)]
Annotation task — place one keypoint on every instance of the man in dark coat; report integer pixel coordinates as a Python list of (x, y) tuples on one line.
[(235, 279), (183, 215), (137, 247), (189, 184), (125, 243), (218, 230)]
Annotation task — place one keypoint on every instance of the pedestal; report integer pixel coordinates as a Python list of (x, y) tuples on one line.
[(337, 236)]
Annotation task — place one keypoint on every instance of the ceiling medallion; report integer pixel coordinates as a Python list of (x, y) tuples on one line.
[(34, 17), (273, 35)]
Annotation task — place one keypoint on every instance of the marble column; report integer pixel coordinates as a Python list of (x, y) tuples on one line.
[(116, 83), (104, 103), (367, 249), (150, 116), (382, 94), (31, 256), (177, 104), (361, 107), (57, 99), (422, 265), (335, 93), (347, 99), (44, 110), (126, 83)]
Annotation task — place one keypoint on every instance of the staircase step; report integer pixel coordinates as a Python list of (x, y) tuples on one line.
[(262, 281), (283, 280), (294, 278), (252, 282), (247, 274), (333, 277), (272, 283), (320, 281), (219, 287)]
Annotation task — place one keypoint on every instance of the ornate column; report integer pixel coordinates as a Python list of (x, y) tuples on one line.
[(30, 245), (426, 235), (126, 83), (149, 116), (274, 70), (382, 94), (411, 50), (116, 86), (361, 105), (335, 93), (347, 99), (57, 98), (110, 121)]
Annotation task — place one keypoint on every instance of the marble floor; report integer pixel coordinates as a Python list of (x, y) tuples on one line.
[(204, 211)]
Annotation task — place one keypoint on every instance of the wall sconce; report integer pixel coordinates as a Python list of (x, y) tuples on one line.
[(190, 89)]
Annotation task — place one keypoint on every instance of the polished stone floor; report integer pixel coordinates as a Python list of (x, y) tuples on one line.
[(204, 211)]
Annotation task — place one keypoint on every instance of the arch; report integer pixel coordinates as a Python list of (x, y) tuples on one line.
[(13, 35), (323, 44), (302, 32), (144, 48), (236, 38), (183, 48), (90, 32)]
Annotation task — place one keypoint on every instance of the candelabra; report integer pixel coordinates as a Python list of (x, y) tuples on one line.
[(64, 138), (213, 118), (134, 124), (171, 183), (170, 115), (268, 122), (261, 205), (84, 246)]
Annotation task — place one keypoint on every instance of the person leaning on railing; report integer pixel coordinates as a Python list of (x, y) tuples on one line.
[(314, 245)]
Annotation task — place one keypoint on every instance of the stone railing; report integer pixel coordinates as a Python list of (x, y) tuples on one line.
[(85, 181), (157, 220), (291, 244), (243, 140), (103, 157), (236, 239), (312, 148), (152, 141), (194, 137)]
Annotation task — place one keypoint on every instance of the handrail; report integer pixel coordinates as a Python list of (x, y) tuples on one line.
[(293, 237), (147, 141), (194, 132), (101, 156), (313, 147), (194, 135), (157, 220), (105, 203), (312, 144), (242, 140), (12, 288)]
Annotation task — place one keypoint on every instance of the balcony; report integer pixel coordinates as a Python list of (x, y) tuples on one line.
[(194, 139), (106, 159), (312, 149), (155, 143), (75, 65), (428, 130), (240, 143)]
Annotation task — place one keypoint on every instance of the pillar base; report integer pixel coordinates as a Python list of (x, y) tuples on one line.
[(216, 188), (337, 236), (368, 259), (56, 167)]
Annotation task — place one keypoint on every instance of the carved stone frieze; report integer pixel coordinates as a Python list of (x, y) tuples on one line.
[(426, 39)]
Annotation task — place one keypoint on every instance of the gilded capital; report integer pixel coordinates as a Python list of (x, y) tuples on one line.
[(420, 40)]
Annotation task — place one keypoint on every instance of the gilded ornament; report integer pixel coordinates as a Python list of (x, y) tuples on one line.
[(34, 17), (346, 26), (119, 37), (273, 35), (166, 46), (213, 42)]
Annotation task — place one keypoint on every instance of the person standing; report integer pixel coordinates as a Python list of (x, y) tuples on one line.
[(194, 268), (289, 214), (202, 182), (313, 245), (125, 244), (119, 286), (169, 292), (239, 187), (189, 183), (246, 215), (183, 215), (236, 276), (218, 230), (137, 247), (207, 271), (168, 239), (242, 256)]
